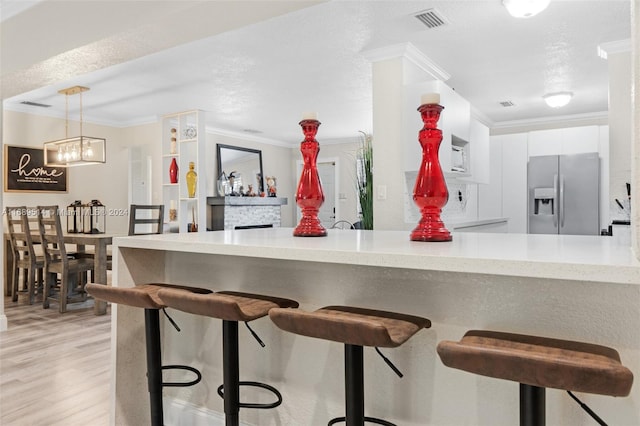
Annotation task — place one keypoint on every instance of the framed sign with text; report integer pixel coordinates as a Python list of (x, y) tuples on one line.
[(24, 170)]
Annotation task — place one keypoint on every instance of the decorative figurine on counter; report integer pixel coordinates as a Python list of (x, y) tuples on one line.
[(232, 183), (430, 192), (223, 185), (271, 186), (250, 192), (309, 195)]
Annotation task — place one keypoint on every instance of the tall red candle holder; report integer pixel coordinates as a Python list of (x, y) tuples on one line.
[(309, 195), (430, 191)]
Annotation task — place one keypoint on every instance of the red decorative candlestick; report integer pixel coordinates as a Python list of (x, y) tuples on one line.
[(430, 192), (309, 195)]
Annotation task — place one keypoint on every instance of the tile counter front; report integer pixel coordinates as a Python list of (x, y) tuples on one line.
[(570, 287)]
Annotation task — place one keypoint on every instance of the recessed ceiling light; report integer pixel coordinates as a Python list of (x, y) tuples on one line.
[(525, 8), (557, 100)]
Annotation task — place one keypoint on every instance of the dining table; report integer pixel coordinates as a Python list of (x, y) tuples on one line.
[(99, 242)]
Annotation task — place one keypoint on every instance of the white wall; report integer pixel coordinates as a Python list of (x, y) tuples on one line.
[(620, 125)]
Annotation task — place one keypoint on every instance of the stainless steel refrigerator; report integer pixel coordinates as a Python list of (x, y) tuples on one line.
[(564, 194)]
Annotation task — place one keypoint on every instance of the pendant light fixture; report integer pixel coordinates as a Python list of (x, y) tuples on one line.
[(78, 150), (525, 8)]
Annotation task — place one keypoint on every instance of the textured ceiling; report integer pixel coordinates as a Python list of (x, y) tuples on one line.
[(262, 76)]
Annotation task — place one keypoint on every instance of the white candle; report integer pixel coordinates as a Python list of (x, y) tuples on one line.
[(310, 116), (430, 98), (172, 204)]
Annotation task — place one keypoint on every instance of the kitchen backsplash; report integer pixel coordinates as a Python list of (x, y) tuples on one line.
[(462, 205)]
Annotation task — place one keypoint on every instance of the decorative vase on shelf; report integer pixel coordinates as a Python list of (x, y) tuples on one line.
[(172, 147), (430, 191), (173, 171), (309, 195), (192, 180), (173, 211)]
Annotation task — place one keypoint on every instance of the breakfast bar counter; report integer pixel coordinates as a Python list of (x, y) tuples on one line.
[(570, 287)]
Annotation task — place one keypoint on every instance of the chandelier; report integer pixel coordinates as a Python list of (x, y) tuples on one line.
[(78, 150)]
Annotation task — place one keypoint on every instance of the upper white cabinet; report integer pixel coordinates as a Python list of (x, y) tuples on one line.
[(480, 152), (456, 150), (183, 143), (569, 140)]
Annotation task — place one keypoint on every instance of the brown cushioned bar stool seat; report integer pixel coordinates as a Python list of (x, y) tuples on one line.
[(231, 307), (146, 297), (355, 328), (538, 363)]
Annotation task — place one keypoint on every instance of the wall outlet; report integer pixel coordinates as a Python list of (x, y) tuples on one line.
[(382, 192)]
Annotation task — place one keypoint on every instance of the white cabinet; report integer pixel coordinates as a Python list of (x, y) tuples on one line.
[(490, 194), (456, 151), (479, 152), (514, 181), (569, 140), (506, 193), (183, 140)]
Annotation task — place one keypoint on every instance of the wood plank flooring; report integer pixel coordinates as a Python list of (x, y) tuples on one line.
[(54, 368)]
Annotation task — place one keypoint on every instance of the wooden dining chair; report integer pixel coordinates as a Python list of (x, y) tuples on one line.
[(57, 261), (146, 219), (24, 255)]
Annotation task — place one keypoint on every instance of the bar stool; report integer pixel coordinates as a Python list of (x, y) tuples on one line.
[(538, 363), (355, 327), (145, 296), (231, 307)]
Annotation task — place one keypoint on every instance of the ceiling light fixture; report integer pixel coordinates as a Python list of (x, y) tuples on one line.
[(525, 8), (557, 100), (78, 150)]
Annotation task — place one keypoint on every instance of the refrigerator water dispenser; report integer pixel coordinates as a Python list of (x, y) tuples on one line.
[(543, 201)]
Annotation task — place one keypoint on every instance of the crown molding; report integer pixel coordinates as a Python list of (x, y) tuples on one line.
[(412, 54), (619, 46), (503, 127)]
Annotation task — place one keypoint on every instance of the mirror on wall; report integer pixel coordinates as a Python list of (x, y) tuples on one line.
[(238, 168)]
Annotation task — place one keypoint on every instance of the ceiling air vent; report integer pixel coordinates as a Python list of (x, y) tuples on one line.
[(432, 18), (36, 104), (507, 104)]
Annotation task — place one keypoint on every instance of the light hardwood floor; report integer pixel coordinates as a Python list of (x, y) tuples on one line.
[(54, 368)]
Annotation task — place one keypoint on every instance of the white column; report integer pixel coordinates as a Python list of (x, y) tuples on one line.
[(393, 68)]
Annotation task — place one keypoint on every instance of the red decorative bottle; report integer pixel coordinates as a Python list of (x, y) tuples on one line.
[(309, 195), (173, 171), (430, 192)]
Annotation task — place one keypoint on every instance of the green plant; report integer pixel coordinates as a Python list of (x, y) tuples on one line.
[(364, 180)]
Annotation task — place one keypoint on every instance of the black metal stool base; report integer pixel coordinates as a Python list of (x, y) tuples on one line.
[(366, 419), (182, 384), (253, 404), (532, 405)]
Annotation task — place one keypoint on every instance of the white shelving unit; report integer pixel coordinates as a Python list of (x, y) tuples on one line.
[(189, 147)]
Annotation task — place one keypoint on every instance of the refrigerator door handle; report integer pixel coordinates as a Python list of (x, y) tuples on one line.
[(555, 201), (561, 201)]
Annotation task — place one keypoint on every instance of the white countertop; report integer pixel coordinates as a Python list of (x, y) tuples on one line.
[(588, 258)]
